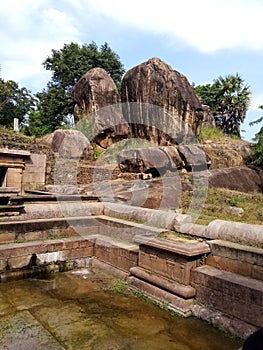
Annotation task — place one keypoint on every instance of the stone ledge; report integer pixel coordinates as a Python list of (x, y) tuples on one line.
[(235, 231), (179, 289), (236, 296), (235, 251), (112, 270), (174, 302), (40, 247), (151, 217), (188, 248)]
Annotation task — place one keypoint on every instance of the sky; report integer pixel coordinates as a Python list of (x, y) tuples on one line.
[(202, 39)]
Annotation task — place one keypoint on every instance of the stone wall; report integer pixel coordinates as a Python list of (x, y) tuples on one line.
[(214, 279), (34, 174), (23, 169)]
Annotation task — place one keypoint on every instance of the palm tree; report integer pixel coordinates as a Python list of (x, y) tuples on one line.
[(228, 99)]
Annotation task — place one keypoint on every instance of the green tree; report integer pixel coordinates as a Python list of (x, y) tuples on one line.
[(257, 148), (68, 65), (228, 99), (15, 102)]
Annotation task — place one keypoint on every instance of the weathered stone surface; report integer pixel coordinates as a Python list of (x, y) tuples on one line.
[(175, 303), (68, 143), (164, 283), (208, 119), (183, 247), (23, 331), (227, 154), (152, 89), (235, 295), (235, 231), (155, 160), (143, 160), (194, 157), (158, 218), (234, 251), (175, 159), (241, 179), (236, 258), (116, 253), (234, 326), (96, 97)]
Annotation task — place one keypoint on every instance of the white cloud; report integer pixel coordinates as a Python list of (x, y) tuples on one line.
[(29, 31), (206, 25)]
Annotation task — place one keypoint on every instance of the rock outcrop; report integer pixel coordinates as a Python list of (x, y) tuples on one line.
[(160, 104), (157, 160), (68, 143), (96, 98), (240, 178)]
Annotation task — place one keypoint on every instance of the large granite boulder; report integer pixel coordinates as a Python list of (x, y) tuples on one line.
[(240, 178), (160, 104), (68, 143), (194, 157), (96, 98), (157, 160), (154, 160)]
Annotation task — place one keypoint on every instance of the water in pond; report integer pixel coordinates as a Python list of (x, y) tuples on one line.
[(83, 311)]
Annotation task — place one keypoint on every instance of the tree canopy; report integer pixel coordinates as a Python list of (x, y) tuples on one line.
[(15, 102), (68, 65), (257, 148), (228, 98)]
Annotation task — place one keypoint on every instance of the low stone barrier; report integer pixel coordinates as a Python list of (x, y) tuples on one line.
[(235, 231), (237, 258), (238, 297), (152, 217)]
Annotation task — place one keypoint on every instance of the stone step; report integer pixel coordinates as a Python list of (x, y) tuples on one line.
[(174, 287), (234, 295)]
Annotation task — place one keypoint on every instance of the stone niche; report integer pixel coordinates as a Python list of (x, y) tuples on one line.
[(21, 169)]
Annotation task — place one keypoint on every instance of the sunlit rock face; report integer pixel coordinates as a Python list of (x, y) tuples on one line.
[(96, 98), (174, 107)]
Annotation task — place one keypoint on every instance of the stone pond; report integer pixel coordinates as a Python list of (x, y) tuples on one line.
[(202, 273), (88, 309)]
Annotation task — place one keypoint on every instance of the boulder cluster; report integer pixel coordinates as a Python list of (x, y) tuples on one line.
[(155, 103)]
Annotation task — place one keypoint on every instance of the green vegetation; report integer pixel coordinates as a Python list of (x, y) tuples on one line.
[(119, 286), (55, 104), (228, 99), (212, 133), (257, 148), (15, 102), (218, 200), (53, 107)]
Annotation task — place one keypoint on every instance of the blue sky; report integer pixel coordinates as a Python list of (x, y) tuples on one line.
[(202, 39)]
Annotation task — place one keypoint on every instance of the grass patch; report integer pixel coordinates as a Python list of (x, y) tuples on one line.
[(218, 200), (175, 235), (213, 134), (119, 286)]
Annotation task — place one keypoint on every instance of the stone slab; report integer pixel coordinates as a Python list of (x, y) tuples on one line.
[(184, 247), (235, 295), (173, 302), (242, 253), (22, 331), (181, 290), (235, 231)]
